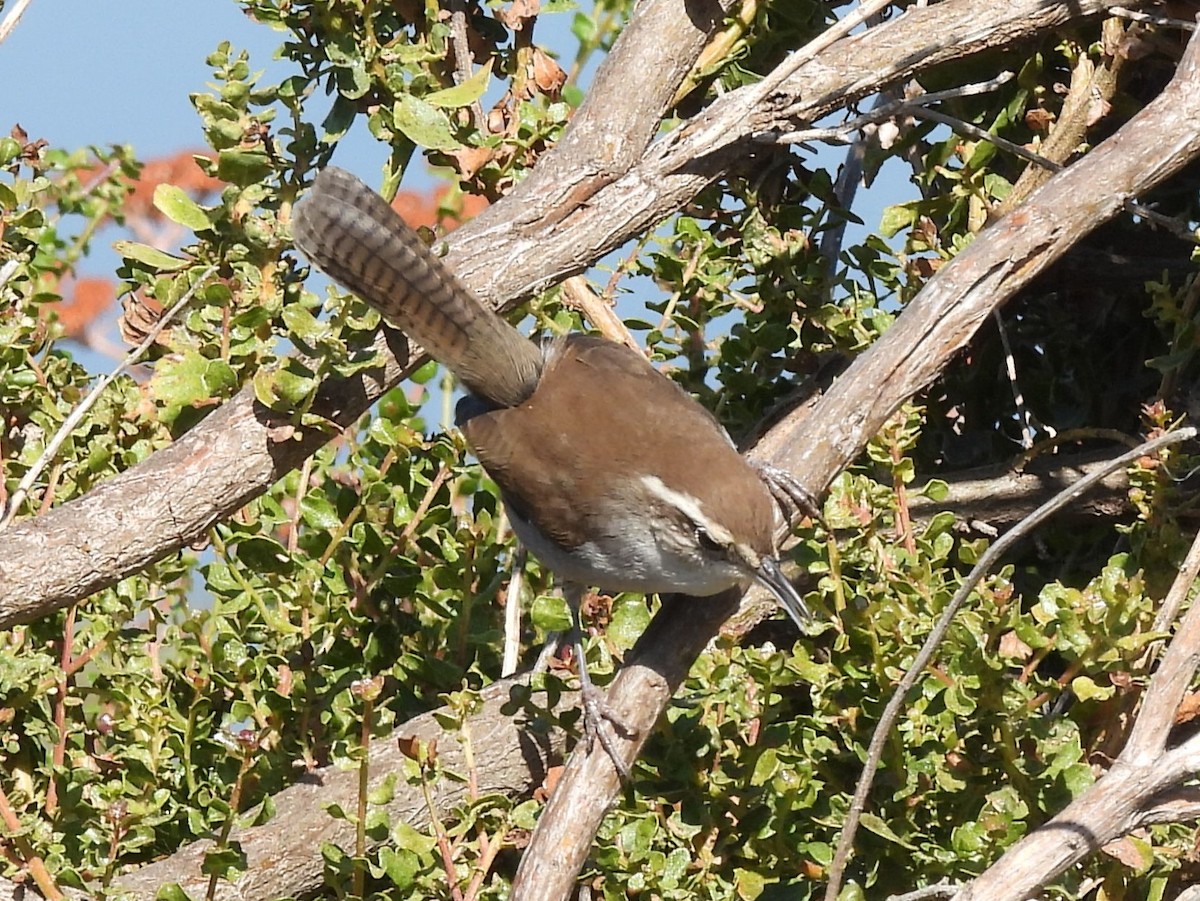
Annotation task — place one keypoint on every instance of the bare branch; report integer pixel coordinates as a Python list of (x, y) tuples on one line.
[(13, 17), (1142, 787), (1152, 146), (73, 419), (1000, 496), (1165, 21), (239, 450), (905, 106), (989, 559), (511, 254)]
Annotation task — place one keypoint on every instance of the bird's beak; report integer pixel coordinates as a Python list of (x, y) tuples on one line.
[(770, 575)]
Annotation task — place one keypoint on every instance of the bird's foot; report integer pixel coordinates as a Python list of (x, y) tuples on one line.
[(793, 498), (600, 721)]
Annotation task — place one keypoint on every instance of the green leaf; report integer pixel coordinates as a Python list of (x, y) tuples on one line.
[(226, 862), (874, 823), (318, 512), (423, 124), (463, 94), (282, 388), (897, 217), (218, 377), (765, 767), (936, 490), (150, 256), (243, 167), (630, 617), (550, 613), (400, 866), (174, 203), (171, 892), (405, 836), (384, 792), (10, 149), (180, 382), (749, 884), (303, 324), (1086, 689)]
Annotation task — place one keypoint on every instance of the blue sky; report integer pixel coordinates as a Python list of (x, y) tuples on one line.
[(85, 72), (82, 72)]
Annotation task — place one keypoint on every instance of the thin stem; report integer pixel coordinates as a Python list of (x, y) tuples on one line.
[(76, 415), (37, 869), (892, 712)]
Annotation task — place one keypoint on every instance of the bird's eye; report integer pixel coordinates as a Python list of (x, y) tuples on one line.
[(708, 543)]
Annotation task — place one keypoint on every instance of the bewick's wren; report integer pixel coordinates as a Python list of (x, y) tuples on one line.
[(613, 476)]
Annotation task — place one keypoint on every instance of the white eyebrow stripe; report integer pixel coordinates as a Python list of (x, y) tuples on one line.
[(688, 505)]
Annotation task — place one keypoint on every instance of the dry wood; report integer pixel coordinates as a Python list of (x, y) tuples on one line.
[(721, 138), (1004, 258), (1144, 786), (236, 453), (997, 497), (283, 855), (512, 249)]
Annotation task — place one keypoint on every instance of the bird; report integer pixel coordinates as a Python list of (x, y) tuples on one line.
[(612, 475)]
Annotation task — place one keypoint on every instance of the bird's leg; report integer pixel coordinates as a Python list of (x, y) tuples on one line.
[(792, 497), (598, 716)]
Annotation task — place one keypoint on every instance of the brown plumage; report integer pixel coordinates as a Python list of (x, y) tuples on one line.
[(595, 421), (614, 476)]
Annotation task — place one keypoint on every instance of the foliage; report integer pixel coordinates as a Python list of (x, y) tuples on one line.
[(159, 710)]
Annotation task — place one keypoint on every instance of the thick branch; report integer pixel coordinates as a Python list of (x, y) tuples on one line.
[(170, 500), (619, 116), (1000, 496), (1143, 786), (540, 249), (1003, 259), (283, 855)]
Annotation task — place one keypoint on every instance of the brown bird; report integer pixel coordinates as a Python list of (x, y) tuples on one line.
[(613, 476)]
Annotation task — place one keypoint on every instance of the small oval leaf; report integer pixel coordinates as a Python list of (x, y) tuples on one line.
[(150, 256), (174, 203), (463, 94), (423, 124)]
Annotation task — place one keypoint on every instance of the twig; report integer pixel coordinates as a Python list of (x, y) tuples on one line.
[(983, 134), (1132, 207), (925, 655), (918, 107), (462, 55), (7, 270), (943, 889), (577, 294), (1028, 433), (844, 190), (69, 424), (37, 868), (11, 20), (1148, 738), (831, 35), (884, 112), (722, 44), (1144, 786), (1166, 21), (512, 615), (1187, 576)]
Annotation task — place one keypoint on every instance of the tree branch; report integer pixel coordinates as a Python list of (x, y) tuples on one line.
[(1005, 257), (1142, 787), (283, 855), (236, 453)]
